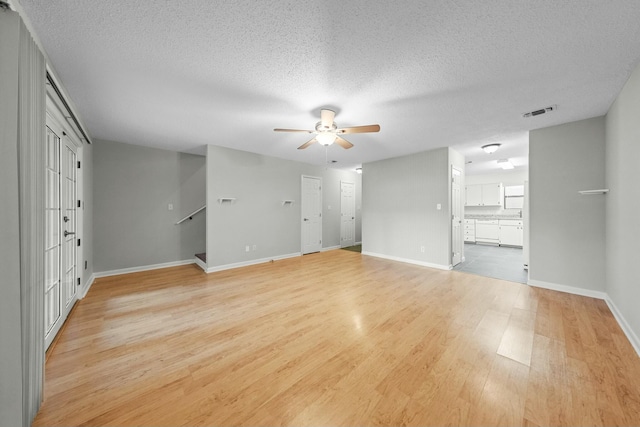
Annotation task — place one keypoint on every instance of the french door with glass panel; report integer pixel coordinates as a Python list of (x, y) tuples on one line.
[(61, 207)]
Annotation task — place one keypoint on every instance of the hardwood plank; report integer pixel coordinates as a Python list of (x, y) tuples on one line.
[(337, 338)]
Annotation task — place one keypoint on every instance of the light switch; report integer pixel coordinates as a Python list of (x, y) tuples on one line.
[(170, 206), (439, 206)]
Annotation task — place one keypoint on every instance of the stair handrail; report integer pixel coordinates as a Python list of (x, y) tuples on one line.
[(190, 216)]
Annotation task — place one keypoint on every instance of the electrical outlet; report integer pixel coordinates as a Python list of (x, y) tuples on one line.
[(246, 248)]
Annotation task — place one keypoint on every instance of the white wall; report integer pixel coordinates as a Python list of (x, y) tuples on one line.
[(567, 230), (623, 204), (132, 188), (507, 177), (259, 184), (399, 204)]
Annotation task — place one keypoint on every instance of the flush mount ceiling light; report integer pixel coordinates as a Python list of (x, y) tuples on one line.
[(505, 164), (490, 148)]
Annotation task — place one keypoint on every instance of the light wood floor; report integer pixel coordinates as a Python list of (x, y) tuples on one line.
[(337, 338)]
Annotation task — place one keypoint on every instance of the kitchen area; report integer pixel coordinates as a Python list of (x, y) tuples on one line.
[(495, 225)]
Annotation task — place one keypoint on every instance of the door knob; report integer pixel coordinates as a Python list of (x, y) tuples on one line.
[(65, 218), (306, 219), (67, 233)]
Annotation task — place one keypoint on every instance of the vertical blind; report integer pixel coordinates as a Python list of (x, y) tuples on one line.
[(31, 146)]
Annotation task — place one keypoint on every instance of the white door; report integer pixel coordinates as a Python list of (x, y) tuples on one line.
[(61, 277), (311, 214), (52, 300), (347, 214), (456, 218)]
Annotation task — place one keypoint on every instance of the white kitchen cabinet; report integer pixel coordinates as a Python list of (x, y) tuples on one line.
[(511, 232), (470, 230), (487, 231), (492, 194), (484, 195), (473, 195)]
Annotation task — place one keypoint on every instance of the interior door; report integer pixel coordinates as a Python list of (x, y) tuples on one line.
[(311, 214), (347, 214), (456, 217), (61, 277)]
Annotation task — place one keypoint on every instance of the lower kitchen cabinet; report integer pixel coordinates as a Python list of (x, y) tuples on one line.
[(470, 230), (487, 231), (511, 232)]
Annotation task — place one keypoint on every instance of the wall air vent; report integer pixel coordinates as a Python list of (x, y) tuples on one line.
[(540, 111)]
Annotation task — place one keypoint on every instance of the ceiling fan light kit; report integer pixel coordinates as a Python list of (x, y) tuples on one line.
[(327, 131), (490, 148), (326, 138)]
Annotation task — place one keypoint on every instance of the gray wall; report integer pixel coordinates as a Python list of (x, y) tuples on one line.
[(567, 229), (132, 187), (259, 184), (399, 207), (623, 202)]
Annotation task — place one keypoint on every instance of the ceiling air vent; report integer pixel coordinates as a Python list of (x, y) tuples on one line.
[(540, 111)]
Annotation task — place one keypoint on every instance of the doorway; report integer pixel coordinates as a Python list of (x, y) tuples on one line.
[(62, 222)]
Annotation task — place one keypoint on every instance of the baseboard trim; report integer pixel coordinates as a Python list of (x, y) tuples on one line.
[(624, 325), (330, 248), (568, 289), (251, 262), (85, 288), (143, 268), (408, 261), (201, 264)]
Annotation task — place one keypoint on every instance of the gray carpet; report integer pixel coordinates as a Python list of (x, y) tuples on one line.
[(499, 262)]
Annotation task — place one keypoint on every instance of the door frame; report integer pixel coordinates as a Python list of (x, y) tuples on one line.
[(302, 206), (455, 171)]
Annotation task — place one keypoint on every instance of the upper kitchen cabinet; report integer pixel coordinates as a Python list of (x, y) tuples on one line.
[(484, 195)]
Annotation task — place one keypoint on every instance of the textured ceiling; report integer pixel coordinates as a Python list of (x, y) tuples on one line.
[(182, 74)]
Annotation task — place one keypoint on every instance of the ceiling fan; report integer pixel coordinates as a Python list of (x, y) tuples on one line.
[(327, 131)]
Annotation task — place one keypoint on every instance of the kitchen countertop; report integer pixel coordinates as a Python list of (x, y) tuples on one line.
[(493, 217)]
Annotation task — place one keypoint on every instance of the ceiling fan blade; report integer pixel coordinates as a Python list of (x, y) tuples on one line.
[(343, 143), (360, 129), (294, 130), (326, 118), (308, 143)]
